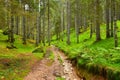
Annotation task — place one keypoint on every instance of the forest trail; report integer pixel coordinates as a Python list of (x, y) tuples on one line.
[(47, 69)]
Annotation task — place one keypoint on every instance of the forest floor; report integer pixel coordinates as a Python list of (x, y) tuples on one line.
[(48, 68), (58, 67)]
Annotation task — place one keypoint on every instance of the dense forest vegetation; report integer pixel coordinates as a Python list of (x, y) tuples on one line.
[(87, 31)]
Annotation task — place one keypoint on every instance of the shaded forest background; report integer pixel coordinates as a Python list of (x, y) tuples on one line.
[(41, 19)]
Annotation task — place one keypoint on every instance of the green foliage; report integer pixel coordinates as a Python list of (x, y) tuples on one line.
[(60, 59), (60, 78), (51, 56), (96, 57), (40, 49), (16, 63)]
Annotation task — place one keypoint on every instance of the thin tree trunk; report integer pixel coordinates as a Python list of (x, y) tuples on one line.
[(8, 18), (115, 25), (68, 22), (37, 31), (84, 23), (62, 23), (40, 38), (77, 21), (43, 39), (9, 24), (107, 19), (12, 31), (17, 25), (91, 29), (48, 23), (98, 37), (37, 27), (24, 30), (112, 18)]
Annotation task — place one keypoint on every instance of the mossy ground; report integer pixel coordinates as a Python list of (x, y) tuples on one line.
[(96, 57), (59, 78), (16, 63)]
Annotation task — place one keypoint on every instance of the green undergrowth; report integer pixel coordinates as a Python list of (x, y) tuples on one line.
[(51, 56), (60, 78), (60, 59), (16, 63), (40, 51), (100, 58)]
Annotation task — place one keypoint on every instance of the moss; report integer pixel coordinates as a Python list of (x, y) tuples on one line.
[(51, 56), (15, 64), (60, 60), (59, 78)]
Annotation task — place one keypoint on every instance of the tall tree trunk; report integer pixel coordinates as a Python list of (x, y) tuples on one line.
[(115, 25), (8, 18), (24, 30), (62, 21), (37, 31), (12, 30), (40, 37), (112, 18), (43, 36), (38, 26), (9, 24), (107, 19), (91, 29), (77, 21), (17, 25), (98, 37), (84, 23), (94, 19), (48, 23), (68, 22)]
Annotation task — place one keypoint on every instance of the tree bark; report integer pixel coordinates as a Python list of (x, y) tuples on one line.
[(77, 21), (24, 30), (91, 29), (48, 23), (115, 25), (12, 31), (107, 20), (62, 21), (43, 36), (68, 22), (17, 25), (98, 37), (37, 31), (112, 18)]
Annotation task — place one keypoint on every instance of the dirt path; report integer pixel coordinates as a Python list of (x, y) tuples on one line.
[(48, 69)]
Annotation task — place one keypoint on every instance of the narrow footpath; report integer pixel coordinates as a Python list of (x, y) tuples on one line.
[(48, 69)]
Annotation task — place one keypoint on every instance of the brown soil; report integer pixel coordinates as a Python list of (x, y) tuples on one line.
[(48, 69)]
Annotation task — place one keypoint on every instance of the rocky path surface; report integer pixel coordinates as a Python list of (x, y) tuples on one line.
[(48, 69)]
